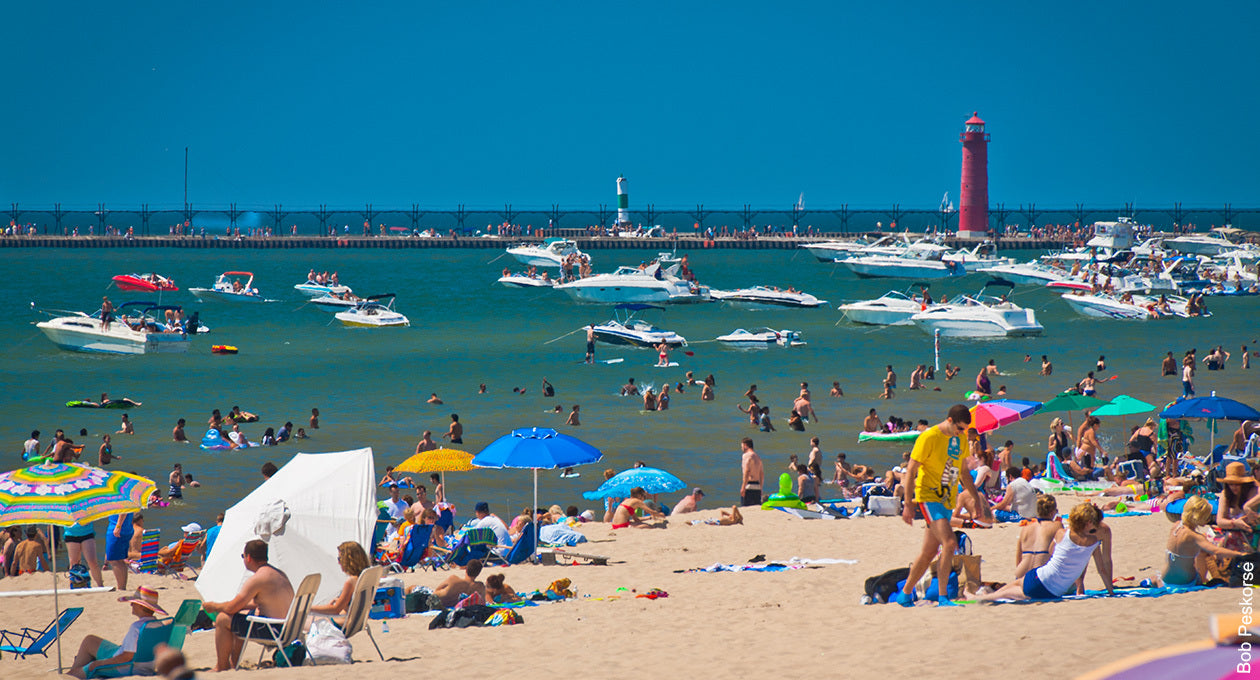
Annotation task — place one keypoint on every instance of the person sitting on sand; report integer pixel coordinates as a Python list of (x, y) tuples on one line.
[(95, 651), (689, 503), (625, 514), (1188, 549), (353, 560), (498, 591), (1033, 548), (1088, 537), (456, 587)]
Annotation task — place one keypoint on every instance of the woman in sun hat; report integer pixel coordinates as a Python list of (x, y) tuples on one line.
[(96, 651)]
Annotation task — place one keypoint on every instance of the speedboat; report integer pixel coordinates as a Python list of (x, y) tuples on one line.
[(920, 261), (1113, 306), (526, 281), (146, 283), (762, 295), (336, 303), (893, 308), (979, 316), (977, 258), (762, 337), (374, 311), (137, 328), (630, 284), (313, 289), (834, 251), (226, 287), (1031, 273), (625, 329), (550, 253)]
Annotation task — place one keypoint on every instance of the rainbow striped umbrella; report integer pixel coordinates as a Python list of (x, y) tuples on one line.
[(63, 494), (990, 415)]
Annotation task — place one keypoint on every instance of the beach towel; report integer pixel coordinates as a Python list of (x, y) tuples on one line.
[(271, 520), (1138, 592), (558, 534), (718, 566)]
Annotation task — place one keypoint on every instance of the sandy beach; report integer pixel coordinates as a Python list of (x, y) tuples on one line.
[(748, 624)]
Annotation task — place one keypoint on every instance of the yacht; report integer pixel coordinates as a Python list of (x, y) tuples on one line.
[(550, 253), (137, 328), (762, 337), (374, 311), (1200, 244), (893, 308), (1032, 273), (228, 287), (625, 329), (762, 295), (830, 251), (979, 316), (920, 261), (630, 284), (981, 256)]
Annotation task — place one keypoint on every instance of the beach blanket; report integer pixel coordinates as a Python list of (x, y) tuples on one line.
[(718, 566), (1138, 592), (558, 534)]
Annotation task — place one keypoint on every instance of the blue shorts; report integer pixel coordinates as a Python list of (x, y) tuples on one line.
[(1034, 589), (116, 547), (935, 511)]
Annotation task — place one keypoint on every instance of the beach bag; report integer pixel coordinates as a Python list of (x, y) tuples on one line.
[(295, 652), (881, 588), (79, 577), (326, 644), (964, 543), (884, 506)]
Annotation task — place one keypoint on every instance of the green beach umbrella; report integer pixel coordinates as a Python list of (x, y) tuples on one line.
[(1069, 402), (1124, 405)]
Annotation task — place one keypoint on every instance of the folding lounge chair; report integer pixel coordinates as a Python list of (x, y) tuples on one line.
[(413, 553), (290, 626), (475, 544), (187, 613), (150, 543), (361, 605), (27, 641), (523, 549), (154, 633), (178, 560)]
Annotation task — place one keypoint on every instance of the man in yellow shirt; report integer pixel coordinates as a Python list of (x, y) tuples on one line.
[(936, 466)]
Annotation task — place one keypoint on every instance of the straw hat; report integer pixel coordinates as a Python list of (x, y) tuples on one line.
[(145, 597), (1236, 473)]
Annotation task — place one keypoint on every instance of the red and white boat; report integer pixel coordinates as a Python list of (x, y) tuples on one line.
[(147, 283)]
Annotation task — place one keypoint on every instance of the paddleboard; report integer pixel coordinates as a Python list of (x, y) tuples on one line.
[(671, 364), (570, 475)]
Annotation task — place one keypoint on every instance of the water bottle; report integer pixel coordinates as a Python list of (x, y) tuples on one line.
[(384, 626)]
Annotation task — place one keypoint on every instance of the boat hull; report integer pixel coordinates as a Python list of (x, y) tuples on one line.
[(208, 294), (81, 339), (883, 316), (884, 270), (614, 294)]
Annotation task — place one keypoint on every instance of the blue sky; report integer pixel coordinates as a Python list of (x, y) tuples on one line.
[(695, 102)]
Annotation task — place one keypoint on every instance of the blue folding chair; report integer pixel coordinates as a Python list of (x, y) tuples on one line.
[(523, 549), (161, 631), (474, 544), (413, 553), (29, 641)]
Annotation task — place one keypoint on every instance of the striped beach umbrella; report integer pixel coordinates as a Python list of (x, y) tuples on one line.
[(63, 494), (987, 416)]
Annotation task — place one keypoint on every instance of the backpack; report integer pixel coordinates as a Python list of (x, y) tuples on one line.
[(883, 587)]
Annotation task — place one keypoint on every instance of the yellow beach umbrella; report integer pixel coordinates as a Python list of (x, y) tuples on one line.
[(437, 460)]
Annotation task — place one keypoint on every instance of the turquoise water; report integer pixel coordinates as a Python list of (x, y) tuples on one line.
[(370, 385)]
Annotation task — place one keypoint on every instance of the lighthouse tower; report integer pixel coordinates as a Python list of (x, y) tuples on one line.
[(623, 203), (973, 204)]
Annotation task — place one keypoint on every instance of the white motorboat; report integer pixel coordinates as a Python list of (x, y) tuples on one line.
[(550, 253), (920, 261), (228, 286), (630, 284), (1151, 247), (314, 290), (1032, 273), (977, 258), (762, 295), (374, 311), (625, 329), (829, 251), (762, 337), (979, 316), (135, 329), (893, 308), (1200, 244), (1129, 306), (526, 281), (336, 303)]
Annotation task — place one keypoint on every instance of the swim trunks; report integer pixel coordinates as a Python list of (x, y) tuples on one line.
[(590, 347), (935, 511), (259, 631), (751, 496), (457, 440)]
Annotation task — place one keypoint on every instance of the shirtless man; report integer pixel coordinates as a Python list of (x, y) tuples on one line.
[(803, 406), (1046, 367), (916, 377), (991, 368), (629, 389), (456, 431), (433, 399), (107, 313), (752, 472), (590, 344), (890, 378), (814, 462), (835, 389), (177, 434), (1242, 434), (872, 423), (573, 418), (455, 586), (426, 442), (1169, 366), (267, 592)]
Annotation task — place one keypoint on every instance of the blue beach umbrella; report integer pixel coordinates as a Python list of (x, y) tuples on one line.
[(536, 448), (652, 480), (1211, 408)]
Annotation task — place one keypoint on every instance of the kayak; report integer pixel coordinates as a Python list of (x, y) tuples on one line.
[(889, 436), (223, 349)]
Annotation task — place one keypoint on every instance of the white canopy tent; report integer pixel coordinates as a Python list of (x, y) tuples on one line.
[(329, 498)]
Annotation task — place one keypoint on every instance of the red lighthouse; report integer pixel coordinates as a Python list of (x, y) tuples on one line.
[(973, 207)]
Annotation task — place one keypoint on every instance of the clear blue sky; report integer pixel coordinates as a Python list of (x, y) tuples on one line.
[(695, 102)]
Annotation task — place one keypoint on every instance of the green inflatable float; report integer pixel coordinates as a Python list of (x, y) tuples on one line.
[(785, 498)]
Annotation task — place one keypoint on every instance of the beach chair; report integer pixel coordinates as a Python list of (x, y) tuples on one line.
[(187, 613), (263, 634), (154, 633), (177, 562), (150, 543), (27, 641), (418, 539), (474, 544), (523, 549), (361, 605), (383, 520)]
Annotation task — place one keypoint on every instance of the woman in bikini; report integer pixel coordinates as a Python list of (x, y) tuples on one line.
[(1188, 549), (1033, 549), (624, 515)]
